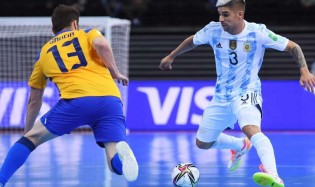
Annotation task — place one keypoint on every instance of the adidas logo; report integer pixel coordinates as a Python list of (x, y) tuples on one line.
[(219, 45)]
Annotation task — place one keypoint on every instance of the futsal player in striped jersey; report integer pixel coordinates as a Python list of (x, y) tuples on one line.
[(82, 65), (239, 48)]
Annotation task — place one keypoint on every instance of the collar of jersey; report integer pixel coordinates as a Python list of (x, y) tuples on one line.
[(62, 31)]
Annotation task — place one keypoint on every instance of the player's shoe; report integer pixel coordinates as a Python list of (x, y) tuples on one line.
[(264, 178), (236, 158), (129, 162)]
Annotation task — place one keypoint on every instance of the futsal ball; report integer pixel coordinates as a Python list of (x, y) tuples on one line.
[(185, 175)]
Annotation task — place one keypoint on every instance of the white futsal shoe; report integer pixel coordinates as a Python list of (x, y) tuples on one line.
[(236, 156), (129, 162)]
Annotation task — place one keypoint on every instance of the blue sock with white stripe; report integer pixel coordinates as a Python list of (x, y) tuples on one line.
[(16, 157)]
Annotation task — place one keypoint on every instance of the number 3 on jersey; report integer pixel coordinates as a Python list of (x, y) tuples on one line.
[(233, 58), (78, 52)]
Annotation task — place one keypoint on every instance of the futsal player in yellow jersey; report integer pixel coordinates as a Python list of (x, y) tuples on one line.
[(81, 64), (68, 61)]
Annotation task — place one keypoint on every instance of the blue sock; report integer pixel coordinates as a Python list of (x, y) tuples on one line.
[(116, 164), (16, 157)]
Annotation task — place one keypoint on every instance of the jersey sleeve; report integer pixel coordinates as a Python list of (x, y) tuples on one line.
[(203, 36), (272, 40), (37, 79), (92, 34)]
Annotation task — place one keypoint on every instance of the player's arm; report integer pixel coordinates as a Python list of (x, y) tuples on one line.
[(105, 53), (307, 80), (186, 45), (33, 106)]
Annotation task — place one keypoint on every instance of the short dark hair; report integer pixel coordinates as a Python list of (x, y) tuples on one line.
[(62, 17), (236, 3)]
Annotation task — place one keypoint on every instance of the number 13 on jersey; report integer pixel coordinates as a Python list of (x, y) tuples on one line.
[(78, 52)]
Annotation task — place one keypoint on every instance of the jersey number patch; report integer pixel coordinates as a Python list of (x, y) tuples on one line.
[(233, 58), (78, 52)]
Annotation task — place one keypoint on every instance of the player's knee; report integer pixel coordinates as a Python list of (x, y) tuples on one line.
[(251, 130), (204, 145)]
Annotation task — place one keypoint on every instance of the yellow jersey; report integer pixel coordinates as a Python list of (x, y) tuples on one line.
[(70, 61)]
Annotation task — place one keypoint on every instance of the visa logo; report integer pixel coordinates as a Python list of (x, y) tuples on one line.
[(13, 100), (186, 96)]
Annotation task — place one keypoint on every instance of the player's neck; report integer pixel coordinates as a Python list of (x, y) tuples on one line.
[(239, 28)]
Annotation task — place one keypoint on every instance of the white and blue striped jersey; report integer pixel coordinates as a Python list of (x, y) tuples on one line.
[(238, 57)]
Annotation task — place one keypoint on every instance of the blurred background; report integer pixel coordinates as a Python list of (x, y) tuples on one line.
[(146, 13), (158, 26)]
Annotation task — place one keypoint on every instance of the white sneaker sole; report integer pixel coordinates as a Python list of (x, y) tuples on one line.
[(129, 162), (233, 165)]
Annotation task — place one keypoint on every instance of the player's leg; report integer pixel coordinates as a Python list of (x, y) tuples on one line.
[(110, 132), (121, 160), (218, 140), (65, 116), (269, 175), (216, 118), (249, 118), (263, 146), (20, 151), (113, 161)]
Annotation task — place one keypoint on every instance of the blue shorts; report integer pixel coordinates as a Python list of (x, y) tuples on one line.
[(103, 114)]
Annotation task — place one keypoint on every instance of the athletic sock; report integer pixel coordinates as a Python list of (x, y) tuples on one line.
[(265, 152), (116, 164), (16, 157), (225, 141)]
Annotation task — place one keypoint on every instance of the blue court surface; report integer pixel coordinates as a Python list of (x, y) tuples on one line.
[(75, 160)]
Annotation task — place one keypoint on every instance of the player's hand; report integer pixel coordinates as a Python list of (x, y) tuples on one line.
[(307, 81), (166, 63), (122, 79)]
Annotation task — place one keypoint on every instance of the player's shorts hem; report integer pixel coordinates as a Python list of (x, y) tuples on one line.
[(101, 143), (42, 119)]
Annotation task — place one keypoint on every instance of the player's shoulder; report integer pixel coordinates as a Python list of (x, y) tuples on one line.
[(252, 26), (214, 25), (90, 30)]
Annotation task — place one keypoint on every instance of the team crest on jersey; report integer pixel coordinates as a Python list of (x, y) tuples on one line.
[(233, 44), (247, 47)]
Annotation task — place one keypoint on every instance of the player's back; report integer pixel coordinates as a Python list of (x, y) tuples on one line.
[(71, 62)]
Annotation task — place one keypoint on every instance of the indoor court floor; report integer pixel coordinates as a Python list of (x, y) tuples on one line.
[(76, 161)]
